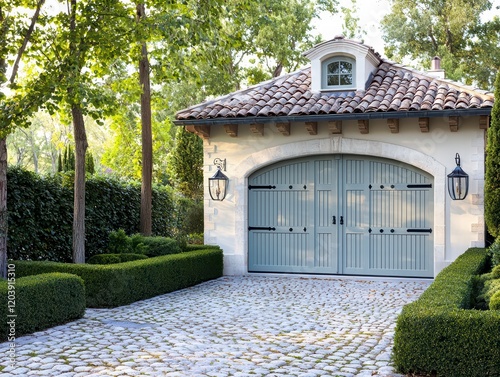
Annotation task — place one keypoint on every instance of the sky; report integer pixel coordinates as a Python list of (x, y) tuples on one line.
[(370, 13)]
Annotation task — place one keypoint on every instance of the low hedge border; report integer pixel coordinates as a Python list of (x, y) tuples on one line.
[(115, 258), (439, 335), (123, 283), (39, 302)]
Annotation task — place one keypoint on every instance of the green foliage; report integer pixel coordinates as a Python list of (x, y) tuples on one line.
[(496, 272), (39, 217), (120, 284), (440, 319), (89, 163), (494, 252), (68, 159), (495, 301), (40, 214), (195, 239), (190, 216), (42, 301), (451, 29), (186, 164), (119, 242), (492, 176), (115, 258), (156, 246)]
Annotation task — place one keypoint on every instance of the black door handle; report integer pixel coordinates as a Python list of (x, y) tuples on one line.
[(341, 220), (334, 220)]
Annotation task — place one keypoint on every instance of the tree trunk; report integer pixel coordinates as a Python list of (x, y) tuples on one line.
[(3, 208), (79, 187), (147, 138)]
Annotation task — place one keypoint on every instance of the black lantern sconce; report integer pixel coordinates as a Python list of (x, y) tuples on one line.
[(217, 184), (458, 182)]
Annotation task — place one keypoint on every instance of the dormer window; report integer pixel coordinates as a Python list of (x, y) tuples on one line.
[(338, 73)]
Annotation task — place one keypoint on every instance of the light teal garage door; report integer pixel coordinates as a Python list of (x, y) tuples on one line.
[(341, 215)]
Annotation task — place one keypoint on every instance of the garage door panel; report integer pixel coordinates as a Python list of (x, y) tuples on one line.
[(400, 255), (323, 257), (353, 260), (341, 214), (279, 252)]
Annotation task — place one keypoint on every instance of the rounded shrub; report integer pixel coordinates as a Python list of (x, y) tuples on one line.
[(156, 246), (495, 301), (494, 252), (495, 273)]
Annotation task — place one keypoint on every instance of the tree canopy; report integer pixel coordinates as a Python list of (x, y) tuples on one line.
[(454, 30)]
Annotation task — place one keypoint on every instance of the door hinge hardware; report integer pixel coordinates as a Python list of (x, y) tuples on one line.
[(334, 220), (341, 220), (261, 228), (420, 186), (250, 187), (419, 230)]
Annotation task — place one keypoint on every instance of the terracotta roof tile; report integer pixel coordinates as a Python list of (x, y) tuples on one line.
[(392, 88)]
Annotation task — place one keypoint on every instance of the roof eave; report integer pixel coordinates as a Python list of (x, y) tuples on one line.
[(333, 117)]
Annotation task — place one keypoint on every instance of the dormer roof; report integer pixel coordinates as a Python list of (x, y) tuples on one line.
[(389, 89)]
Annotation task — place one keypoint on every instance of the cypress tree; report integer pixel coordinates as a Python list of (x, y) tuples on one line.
[(492, 178), (187, 164), (59, 163), (89, 163)]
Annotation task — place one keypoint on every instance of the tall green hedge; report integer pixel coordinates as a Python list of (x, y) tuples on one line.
[(123, 283), (40, 214), (492, 176), (40, 302), (440, 335)]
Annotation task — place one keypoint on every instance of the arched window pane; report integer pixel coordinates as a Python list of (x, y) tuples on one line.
[(345, 67), (338, 73), (345, 79), (333, 68)]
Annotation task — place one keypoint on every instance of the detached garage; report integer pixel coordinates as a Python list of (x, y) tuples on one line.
[(341, 168)]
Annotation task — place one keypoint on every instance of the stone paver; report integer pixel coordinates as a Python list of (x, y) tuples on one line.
[(242, 326)]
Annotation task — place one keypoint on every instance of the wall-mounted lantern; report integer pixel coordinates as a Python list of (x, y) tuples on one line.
[(458, 182), (217, 184)]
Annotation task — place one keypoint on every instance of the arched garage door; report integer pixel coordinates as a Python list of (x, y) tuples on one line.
[(341, 214)]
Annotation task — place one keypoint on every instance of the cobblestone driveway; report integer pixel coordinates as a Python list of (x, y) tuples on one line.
[(233, 326)]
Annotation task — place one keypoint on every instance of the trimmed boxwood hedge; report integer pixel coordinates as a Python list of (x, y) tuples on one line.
[(115, 258), (41, 301), (438, 334), (120, 284)]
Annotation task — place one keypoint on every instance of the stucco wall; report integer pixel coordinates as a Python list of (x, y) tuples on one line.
[(457, 224)]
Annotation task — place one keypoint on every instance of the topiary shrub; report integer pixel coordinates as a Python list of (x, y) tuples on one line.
[(120, 243), (439, 335), (156, 246), (123, 283), (41, 301), (115, 258), (495, 273), (494, 252), (492, 174), (495, 301)]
